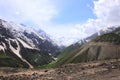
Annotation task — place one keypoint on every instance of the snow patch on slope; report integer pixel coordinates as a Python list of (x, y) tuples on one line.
[(24, 44), (2, 47), (30, 30), (16, 51)]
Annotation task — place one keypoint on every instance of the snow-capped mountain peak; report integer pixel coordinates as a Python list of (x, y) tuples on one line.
[(20, 41), (99, 33)]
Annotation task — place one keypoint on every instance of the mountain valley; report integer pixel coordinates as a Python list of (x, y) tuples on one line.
[(27, 54)]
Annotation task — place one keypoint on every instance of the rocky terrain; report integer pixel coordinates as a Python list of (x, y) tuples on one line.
[(100, 70)]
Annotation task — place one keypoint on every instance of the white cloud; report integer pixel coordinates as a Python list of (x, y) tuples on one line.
[(36, 11), (108, 11)]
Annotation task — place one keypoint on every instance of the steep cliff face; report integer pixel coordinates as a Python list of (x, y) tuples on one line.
[(97, 51)]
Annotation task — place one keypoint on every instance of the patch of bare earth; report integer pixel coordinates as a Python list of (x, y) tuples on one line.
[(102, 70)]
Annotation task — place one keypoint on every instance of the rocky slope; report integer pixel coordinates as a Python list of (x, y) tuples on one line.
[(24, 47)]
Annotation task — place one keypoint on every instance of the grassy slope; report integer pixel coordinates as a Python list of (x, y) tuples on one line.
[(64, 56), (110, 37), (68, 50), (7, 60), (4, 56), (35, 57)]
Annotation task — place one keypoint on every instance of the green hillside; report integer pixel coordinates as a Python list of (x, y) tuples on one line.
[(110, 37), (92, 51), (7, 60)]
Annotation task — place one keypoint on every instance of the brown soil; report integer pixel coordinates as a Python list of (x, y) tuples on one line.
[(102, 70)]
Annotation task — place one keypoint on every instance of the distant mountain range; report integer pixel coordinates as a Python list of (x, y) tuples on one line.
[(21, 46), (102, 45)]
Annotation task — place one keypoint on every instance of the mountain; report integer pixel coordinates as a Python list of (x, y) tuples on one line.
[(21, 46), (81, 42), (99, 46), (101, 32)]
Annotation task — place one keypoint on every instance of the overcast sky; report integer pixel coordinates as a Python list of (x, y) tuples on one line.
[(64, 20)]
